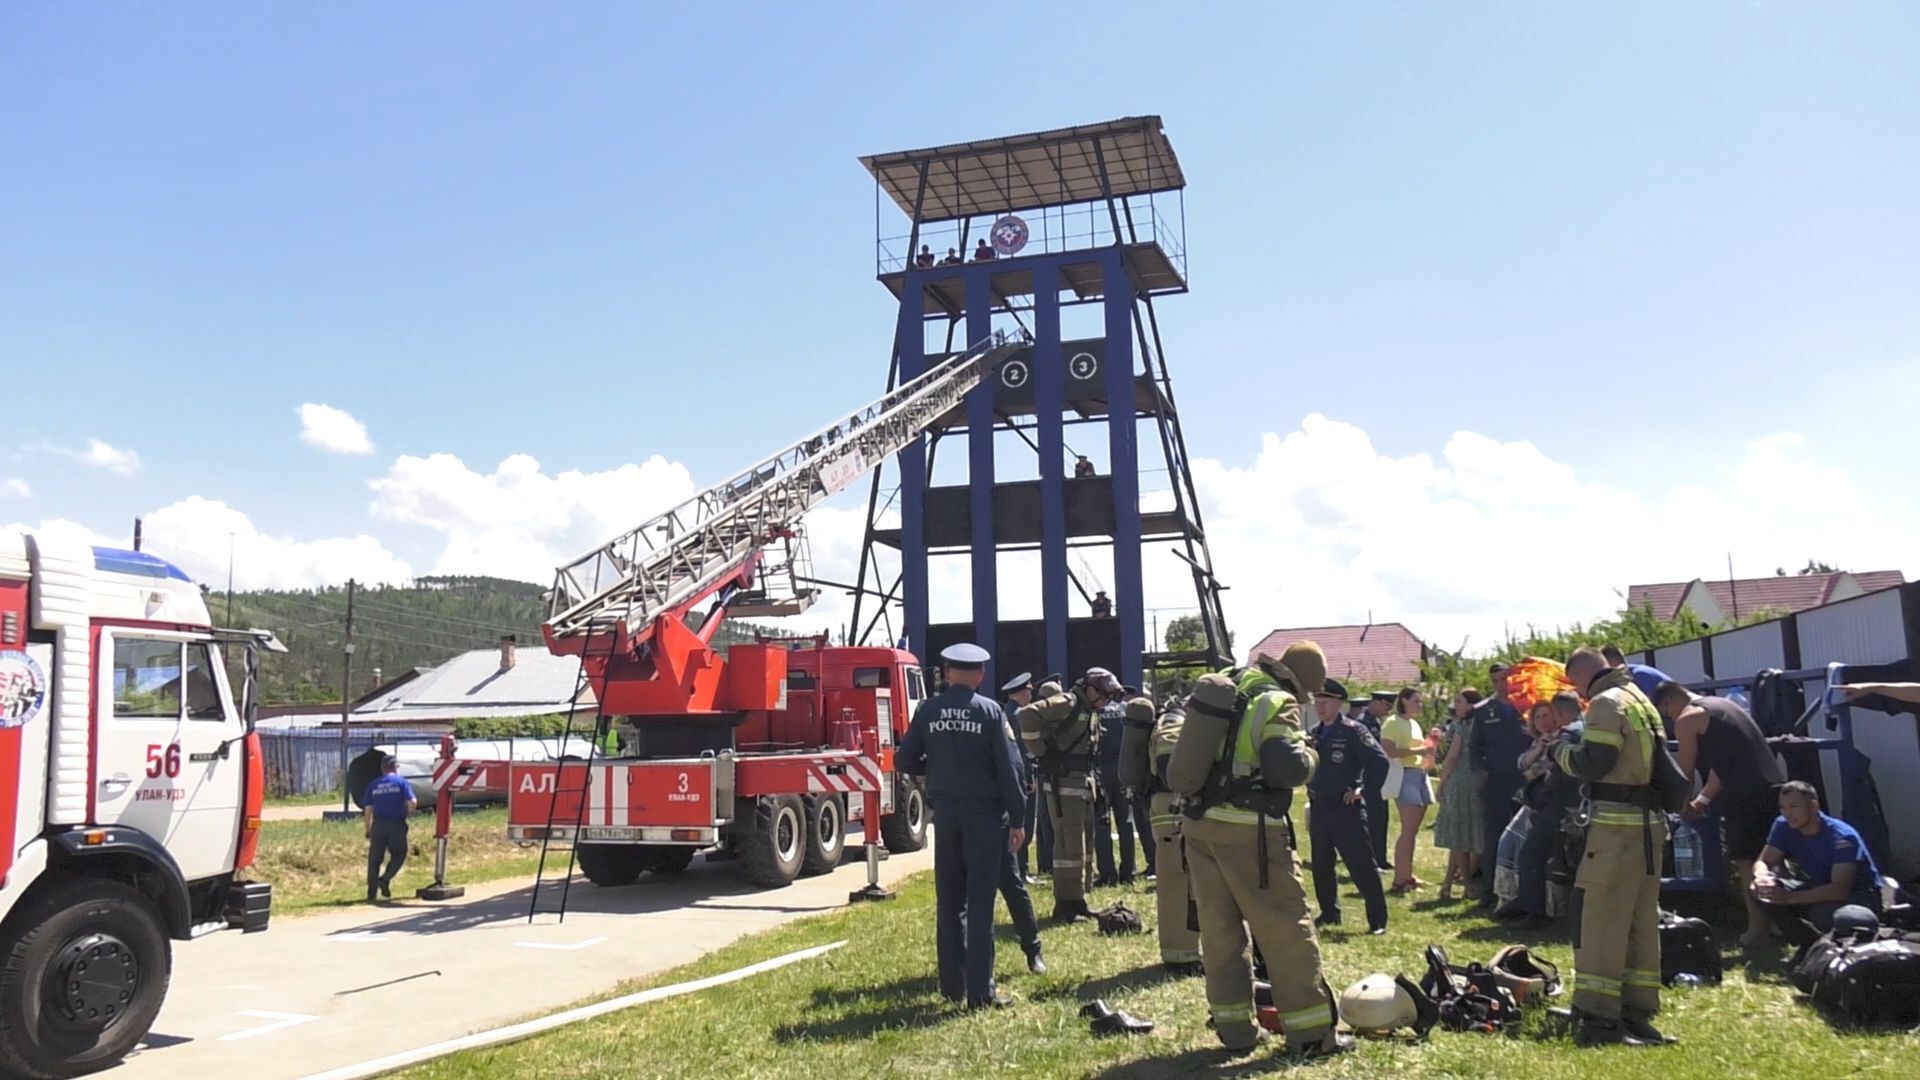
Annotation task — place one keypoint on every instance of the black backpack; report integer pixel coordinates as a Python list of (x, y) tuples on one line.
[(1776, 703), (1687, 947), (1872, 983)]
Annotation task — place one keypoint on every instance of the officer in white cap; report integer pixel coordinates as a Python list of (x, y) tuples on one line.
[(961, 742)]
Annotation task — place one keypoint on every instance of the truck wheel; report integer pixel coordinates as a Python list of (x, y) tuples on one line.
[(826, 834), (610, 865), (905, 829), (772, 851), (85, 971), (669, 860)]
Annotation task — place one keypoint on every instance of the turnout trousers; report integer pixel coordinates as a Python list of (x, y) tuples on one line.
[(1068, 801), (1334, 828), (968, 847), (1223, 860), (1616, 909), (1172, 890)]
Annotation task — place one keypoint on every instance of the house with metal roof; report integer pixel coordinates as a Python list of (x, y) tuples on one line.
[(1380, 653), (1722, 603), (509, 681)]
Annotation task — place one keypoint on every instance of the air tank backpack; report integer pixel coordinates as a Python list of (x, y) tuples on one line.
[(1214, 710)]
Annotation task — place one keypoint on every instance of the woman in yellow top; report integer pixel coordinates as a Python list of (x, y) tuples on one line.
[(1406, 784)]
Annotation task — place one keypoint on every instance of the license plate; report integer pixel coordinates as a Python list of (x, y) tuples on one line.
[(604, 833)]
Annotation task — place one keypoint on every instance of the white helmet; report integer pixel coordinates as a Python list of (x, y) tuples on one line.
[(1376, 1005)]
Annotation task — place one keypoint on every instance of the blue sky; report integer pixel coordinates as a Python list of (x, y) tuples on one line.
[(1638, 237)]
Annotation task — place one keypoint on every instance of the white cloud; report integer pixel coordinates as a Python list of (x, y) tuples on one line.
[(194, 533), (113, 459), (15, 488), (1322, 528), (517, 521), (333, 430)]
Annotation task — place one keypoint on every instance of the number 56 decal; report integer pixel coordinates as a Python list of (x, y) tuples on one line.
[(159, 763)]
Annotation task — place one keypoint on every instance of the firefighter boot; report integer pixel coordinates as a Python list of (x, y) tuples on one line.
[(1642, 1028)]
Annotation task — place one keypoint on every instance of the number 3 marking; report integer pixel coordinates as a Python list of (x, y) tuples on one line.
[(683, 783)]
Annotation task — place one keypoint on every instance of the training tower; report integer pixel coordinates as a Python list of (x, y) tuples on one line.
[(1087, 229)]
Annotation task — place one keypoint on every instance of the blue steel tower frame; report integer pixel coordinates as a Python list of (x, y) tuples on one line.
[(1109, 235)]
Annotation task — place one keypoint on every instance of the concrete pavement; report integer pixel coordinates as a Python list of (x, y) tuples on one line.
[(326, 991)]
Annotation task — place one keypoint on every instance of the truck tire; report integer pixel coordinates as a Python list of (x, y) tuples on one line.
[(85, 970), (610, 865), (826, 834), (669, 860), (773, 849), (905, 829)]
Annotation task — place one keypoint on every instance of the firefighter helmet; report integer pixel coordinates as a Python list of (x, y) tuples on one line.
[(1376, 1005)]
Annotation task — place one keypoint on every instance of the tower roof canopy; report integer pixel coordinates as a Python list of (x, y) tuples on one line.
[(1025, 172)]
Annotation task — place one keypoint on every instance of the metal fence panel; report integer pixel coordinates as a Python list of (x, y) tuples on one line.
[(1749, 650), (1685, 662), (307, 761)]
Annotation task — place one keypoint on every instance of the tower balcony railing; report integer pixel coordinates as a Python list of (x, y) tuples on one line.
[(1159, 220)]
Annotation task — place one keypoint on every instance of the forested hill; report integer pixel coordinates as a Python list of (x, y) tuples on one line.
[(395, 628)]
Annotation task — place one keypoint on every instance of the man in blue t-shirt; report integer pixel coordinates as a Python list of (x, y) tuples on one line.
[(388, 801), (1645, 676), (1829, 863)]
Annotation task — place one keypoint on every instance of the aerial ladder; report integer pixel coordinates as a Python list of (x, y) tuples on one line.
[(691, 728)]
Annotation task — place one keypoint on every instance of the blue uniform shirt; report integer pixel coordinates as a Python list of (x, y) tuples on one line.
[(388, 795), (962, 744), (1817, 855), (1646, 678), (1497, 739), (1350, 760)]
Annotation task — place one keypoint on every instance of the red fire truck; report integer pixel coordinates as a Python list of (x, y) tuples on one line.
[(130, 794), (762, 754)]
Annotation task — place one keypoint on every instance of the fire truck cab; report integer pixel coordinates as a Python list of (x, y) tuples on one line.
[(130, 795)]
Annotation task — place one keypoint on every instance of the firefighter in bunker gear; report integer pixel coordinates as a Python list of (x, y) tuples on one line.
[(1061, 732), (1144, 751), (1616, 891), (1240, 856)]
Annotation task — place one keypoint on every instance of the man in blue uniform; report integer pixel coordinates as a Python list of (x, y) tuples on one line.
[(961, 742), (1495, 741), (1351, 764), (1379, 707), (1019, 691), (1013, 871), (388, 801)]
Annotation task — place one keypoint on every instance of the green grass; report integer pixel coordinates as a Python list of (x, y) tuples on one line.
[(872, 1009), (316, 798), (319, 865)]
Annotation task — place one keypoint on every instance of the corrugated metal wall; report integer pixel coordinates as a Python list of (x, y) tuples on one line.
[(1749, 649), (1871, 630), (1685, 662)]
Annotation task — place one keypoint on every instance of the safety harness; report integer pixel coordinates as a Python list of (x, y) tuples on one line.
[(1241, 792)]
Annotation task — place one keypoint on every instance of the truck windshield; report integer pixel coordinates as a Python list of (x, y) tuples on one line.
[(869, 678)]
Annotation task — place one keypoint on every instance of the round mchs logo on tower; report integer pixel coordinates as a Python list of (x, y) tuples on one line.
[(23, 688), (1009, 235)]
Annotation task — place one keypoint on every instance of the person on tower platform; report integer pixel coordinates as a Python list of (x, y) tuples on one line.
[(982, 252), (1062, 732), (1240, 754), (961, 742), (1102, 605), (1351, 763), (1616, 892)]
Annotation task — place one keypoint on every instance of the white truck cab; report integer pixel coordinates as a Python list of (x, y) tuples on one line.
[(135, 786)]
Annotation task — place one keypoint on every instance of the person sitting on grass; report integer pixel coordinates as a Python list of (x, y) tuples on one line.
[(1826, 862)]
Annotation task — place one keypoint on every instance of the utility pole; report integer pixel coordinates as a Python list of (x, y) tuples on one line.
[(346, 703), (229, 579)]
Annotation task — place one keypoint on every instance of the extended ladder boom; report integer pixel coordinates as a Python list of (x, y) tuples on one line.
[(695, 548)]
